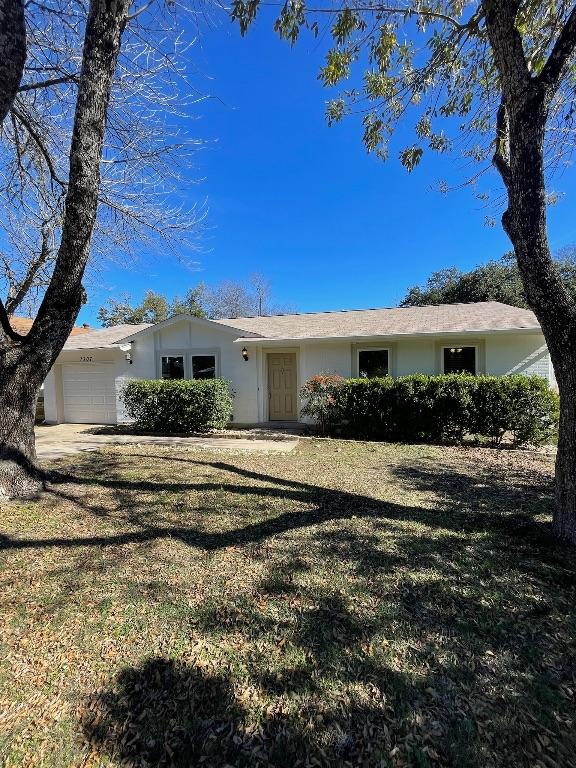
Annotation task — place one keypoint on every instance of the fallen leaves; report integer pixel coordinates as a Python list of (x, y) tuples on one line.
[(342, 605)]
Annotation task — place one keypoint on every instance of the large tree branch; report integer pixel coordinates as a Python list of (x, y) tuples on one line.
[(12, 52), (38, 140), (561, 52), (5, 325), (19, 292), (62, 300), (501, 157), (422, 13), (506, 42), (48, 83), (519, 157)]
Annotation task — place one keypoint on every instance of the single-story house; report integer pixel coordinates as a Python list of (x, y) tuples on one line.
[(267, 358)]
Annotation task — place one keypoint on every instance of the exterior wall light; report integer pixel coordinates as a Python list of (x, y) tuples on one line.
[(245, 354), (127, 349)]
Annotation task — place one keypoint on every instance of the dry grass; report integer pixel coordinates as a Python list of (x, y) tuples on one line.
[(343, 605)]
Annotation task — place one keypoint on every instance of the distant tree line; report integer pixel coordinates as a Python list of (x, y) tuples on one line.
[(497, 280), (229, 298)]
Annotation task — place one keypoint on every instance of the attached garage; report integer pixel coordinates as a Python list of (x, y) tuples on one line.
[(89, 393)]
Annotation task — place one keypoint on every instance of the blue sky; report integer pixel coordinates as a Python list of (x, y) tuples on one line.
[(329, 225)]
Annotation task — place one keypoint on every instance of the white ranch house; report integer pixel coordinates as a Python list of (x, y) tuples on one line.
[(267, 359)]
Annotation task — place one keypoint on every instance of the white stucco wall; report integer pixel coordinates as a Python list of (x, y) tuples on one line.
[(325, 358), (414, 357), (50, 405), (498, 355), (517, 353)]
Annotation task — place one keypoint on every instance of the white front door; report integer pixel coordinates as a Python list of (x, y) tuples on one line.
[(89, 393)]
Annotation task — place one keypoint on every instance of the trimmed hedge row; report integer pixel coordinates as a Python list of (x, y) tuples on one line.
[(178, 405), (446, 408)]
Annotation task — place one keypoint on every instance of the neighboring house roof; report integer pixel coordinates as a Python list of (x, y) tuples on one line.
[(104, 337), (22, 326), (486, 316)]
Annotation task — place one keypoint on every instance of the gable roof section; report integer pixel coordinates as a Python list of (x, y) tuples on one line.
[(104, 337), (225, 325), (481, 317), (110, 337)]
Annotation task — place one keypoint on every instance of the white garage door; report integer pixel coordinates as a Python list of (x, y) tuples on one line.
[(89, 393)]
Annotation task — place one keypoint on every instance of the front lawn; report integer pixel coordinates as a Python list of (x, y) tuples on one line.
[(346, 604)]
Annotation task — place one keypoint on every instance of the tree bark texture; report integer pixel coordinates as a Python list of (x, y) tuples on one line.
[(19, 385), (12, 52), (25, 364), (519, 158)]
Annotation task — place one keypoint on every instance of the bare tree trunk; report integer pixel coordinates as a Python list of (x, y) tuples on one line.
[(12, 52), (24, 363), (18, 391), (519, 157), (564, 523), (525, 223)]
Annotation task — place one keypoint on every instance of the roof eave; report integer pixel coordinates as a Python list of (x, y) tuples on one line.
[(92, 346), (387, 336)]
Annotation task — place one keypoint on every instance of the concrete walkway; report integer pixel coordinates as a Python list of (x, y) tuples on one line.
[(52, 442)]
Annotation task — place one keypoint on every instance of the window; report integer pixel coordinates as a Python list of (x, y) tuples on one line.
[(372, 363), (203, 367), (173, 367), (460, 360)]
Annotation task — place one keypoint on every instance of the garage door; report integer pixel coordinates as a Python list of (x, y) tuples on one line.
[(89, 393)]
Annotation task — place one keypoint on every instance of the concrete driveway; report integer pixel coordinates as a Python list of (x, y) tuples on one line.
[(52, 442)]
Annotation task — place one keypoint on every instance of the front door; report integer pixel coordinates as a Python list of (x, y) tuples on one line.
[(282, 392)]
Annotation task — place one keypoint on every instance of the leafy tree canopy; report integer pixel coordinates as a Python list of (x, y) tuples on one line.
[(153, 309), (230, 298), (498, 280), (421, 63)]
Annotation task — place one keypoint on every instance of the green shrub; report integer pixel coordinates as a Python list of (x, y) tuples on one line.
[(365, 406), (447, 408), (524, 407), (178, 405)]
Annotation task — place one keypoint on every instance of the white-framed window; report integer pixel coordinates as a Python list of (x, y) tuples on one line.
[(172, 366), (373, 363), (178, 364), (460, 359)]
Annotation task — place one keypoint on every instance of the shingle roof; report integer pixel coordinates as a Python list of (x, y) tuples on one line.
[(22, 326), (483, 316), (104, 337)]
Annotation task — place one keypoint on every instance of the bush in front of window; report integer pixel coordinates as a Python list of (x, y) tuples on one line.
[(366, 407), (448, 408), (178, 405)]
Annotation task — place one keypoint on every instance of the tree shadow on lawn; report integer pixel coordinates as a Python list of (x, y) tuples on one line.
[(167, 713), (467, 506), (470, 594), (342, 706)]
